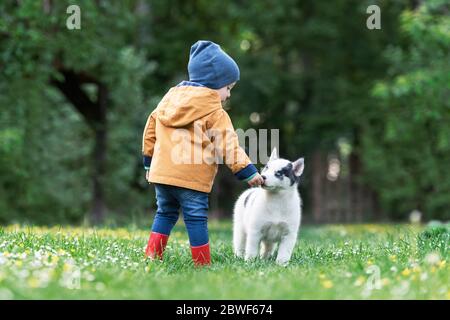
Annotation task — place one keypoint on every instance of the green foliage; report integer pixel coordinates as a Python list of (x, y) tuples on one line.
[(434, 239), (46, 145), (41, 171), (407, 135)]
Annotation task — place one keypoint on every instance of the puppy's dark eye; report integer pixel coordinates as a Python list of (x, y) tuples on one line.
[(278, 174)]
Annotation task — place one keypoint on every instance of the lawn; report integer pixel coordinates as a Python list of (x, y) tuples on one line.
[(329, 262)]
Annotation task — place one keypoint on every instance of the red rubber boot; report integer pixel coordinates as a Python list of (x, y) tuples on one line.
[(201, 255), (156, 245)]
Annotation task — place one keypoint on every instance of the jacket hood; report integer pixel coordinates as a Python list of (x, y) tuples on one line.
[(185, 104)]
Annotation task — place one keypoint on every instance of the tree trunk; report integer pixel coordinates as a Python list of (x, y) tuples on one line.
[(317, 186), (355, 196), (99, 156), (94, 113)]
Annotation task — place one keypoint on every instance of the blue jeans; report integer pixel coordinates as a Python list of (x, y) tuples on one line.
[(194, 205)]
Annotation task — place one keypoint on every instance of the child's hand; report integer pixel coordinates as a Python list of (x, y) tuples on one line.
[(257, 180), (147, 175)]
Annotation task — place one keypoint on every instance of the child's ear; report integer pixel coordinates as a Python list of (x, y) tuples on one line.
[(298, 167), (274, 155)]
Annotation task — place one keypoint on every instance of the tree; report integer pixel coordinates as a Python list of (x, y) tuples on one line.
[(406, 140), (85, 66)]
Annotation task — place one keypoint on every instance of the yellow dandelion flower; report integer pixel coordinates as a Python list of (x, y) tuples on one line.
[(19, 263), (33, 282), (442, 263), (54, 259), (359, 281), (327, 284), (393, 258), (369, 262), (433, 269), (406, 272), (67, 267), (417, 269)]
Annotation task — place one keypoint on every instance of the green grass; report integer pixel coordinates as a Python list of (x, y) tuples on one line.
[(329, 262)]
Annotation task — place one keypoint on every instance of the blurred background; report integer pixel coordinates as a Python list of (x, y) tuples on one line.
[(368, 109)]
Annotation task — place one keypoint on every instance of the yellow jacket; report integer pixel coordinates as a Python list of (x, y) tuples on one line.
[(187, 135)]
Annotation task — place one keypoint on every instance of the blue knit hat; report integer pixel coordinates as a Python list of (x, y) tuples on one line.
[(210, 66)]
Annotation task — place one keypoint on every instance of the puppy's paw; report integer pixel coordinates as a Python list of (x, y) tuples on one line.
[(249, 257), (282, 262)]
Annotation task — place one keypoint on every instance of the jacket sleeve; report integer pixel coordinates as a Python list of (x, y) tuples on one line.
[(148, 141), (227, 146)]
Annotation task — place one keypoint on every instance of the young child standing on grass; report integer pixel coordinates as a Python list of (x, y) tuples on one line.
[(181, 126)]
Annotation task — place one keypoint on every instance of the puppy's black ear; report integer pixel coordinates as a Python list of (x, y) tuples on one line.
[(298, 167)]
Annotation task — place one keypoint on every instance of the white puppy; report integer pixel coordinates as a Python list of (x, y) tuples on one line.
[(270, 215)]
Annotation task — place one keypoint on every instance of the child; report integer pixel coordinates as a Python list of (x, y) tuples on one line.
[(181, 124)]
